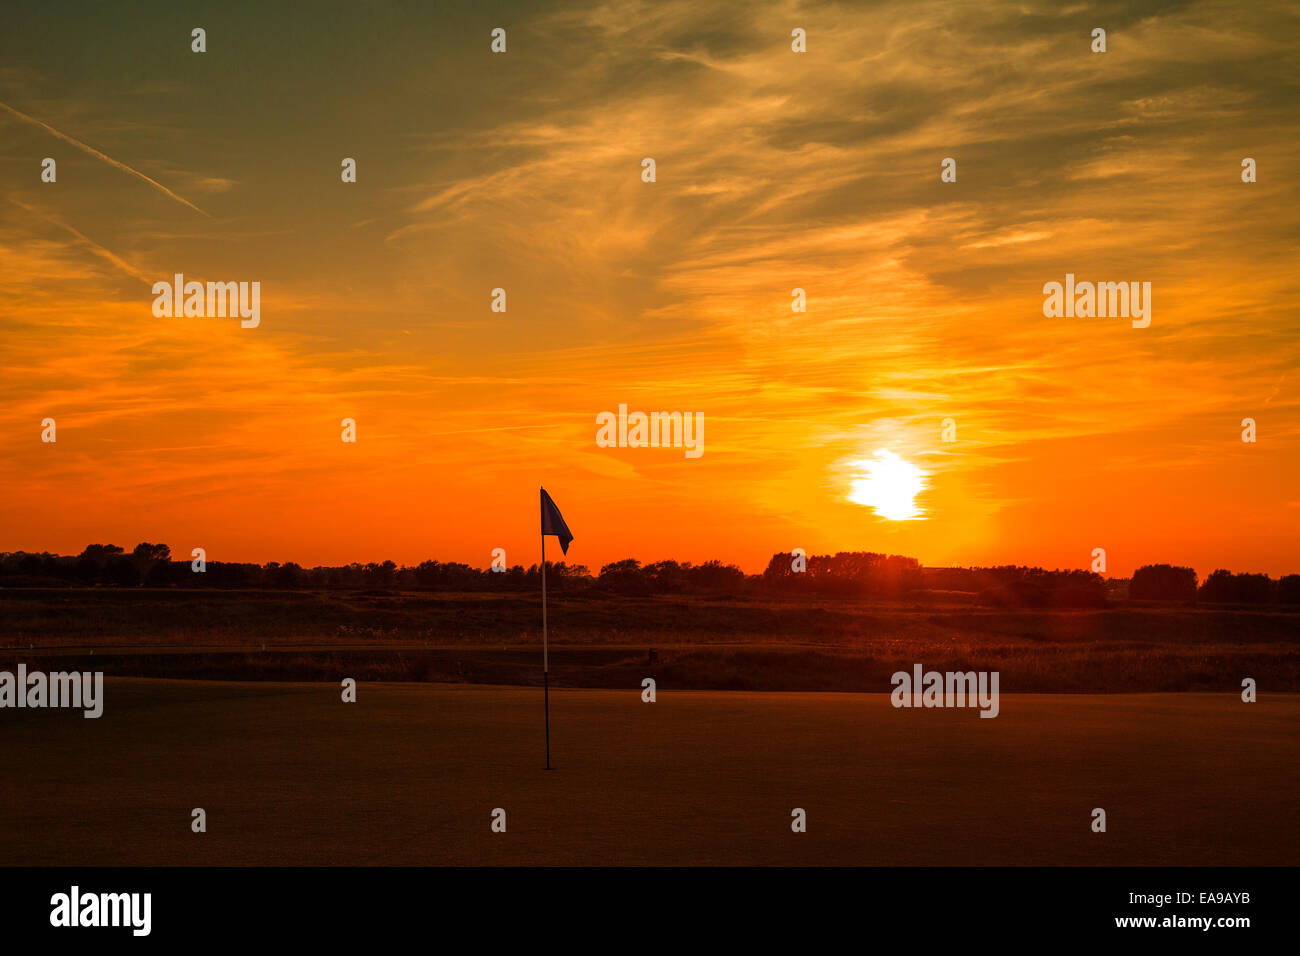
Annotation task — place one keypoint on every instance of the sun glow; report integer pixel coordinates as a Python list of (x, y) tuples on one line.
[(888, 485)]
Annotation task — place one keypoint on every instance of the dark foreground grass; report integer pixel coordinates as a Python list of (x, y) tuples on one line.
[(411, 773)]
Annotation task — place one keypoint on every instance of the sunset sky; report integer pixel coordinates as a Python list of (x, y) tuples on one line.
[(775, 170)]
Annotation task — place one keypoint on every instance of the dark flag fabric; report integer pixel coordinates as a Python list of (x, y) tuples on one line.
[(553, 522)]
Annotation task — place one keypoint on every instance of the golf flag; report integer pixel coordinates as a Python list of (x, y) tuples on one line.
[(553, 522)]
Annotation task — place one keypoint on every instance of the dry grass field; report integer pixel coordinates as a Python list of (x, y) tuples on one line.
[(602, 640), (288, 774)]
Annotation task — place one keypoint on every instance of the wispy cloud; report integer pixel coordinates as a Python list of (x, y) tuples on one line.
[(107, 255), (776, 170), (117, 164)]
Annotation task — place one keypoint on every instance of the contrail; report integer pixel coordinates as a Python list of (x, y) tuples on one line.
[(95, 247), (108, 159)]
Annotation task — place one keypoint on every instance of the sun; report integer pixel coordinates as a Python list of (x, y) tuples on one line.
[(888, 485)]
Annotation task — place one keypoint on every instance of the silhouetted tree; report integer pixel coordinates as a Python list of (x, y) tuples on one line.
[(1224, 587), (1256, 588), (100, 553), (121, 572), (625, 577), (1035, 587), (289, 575), (1288, 589), (716, 576), (1163, 582), (146, 555)]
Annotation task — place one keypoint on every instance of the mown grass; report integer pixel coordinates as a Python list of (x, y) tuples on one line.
[(290, 775)]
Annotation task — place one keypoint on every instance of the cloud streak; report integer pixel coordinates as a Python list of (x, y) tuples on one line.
[(818, 171), (117, 164), (105, 254)]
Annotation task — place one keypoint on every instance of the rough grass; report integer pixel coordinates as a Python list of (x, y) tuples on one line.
[(600, 640)]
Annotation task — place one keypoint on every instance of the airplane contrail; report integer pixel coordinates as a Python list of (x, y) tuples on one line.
[(95, 247), (108, 159)]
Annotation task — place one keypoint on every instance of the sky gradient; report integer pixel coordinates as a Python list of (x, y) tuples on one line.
[(775, 170)]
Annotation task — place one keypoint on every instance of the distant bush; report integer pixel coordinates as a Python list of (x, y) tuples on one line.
[(1035, 588), (670, 577), (1163, 582), (1224, 587), (1288, 589), (848, 573)]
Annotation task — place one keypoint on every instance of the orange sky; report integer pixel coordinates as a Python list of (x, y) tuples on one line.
[(775, 170)]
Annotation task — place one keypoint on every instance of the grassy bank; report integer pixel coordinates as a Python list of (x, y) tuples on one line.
[(604, 641)]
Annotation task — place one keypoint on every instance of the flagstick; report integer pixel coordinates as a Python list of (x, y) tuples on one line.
[(546, 681)]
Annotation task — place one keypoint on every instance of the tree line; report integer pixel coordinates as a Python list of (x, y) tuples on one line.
[(1163, 582), (850, 574)]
